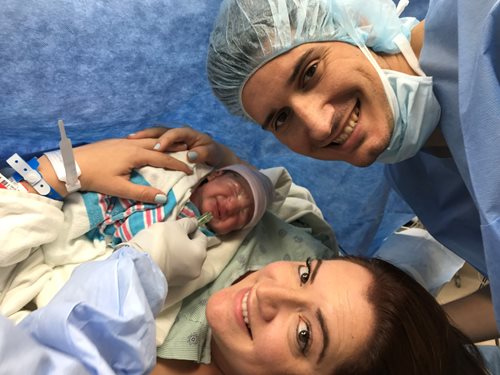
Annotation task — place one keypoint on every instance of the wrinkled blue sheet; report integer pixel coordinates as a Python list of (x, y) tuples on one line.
[(111, 67), (101, 322)]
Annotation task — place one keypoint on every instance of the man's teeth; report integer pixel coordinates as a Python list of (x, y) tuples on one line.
[(244, 309), (349, 128)]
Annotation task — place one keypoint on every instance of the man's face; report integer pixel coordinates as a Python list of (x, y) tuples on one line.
[(324, 100), (228, 197), (291, 318)]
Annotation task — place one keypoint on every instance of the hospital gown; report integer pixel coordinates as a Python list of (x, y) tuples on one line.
[(458, 198)]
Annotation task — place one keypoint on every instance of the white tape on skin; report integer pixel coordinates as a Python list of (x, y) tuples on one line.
[(55, 158)]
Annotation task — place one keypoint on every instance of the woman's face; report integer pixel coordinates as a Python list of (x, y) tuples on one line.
[(289, 318), (324, 100), (228, 197)]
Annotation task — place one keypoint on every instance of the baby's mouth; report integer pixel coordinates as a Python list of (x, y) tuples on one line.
[(244, 310), (352, 122)]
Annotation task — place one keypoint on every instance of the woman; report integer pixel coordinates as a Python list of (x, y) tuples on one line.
[(370, 319)]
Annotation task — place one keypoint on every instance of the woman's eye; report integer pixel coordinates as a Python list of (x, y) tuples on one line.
[(303, 336), (309, 73), (304, 273)]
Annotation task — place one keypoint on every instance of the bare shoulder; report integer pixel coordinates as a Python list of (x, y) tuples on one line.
[(170, 367)]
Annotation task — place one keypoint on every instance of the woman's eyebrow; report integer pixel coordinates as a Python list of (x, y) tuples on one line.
[(321, 319), (298, 65), (315, 270), (324, 333)]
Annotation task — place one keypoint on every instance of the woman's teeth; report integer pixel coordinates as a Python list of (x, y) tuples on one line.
[(349, 128), (244, 309)]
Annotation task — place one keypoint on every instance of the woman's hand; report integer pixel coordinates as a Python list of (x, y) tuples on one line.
[(202, 148), (106, 167)]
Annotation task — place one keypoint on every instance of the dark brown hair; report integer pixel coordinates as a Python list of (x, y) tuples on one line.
[(412, 335)]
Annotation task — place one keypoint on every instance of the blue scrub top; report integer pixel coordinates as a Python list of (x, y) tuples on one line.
[(458, 198)]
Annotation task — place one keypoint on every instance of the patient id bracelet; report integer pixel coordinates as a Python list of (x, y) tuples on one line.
[(6, 183), (71, 169), (28, 171), (56, 159)]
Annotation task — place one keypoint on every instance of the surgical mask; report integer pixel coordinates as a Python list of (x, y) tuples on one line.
[(414, 107), (416, 114)]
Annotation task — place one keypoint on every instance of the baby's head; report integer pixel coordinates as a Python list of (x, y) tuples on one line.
[(236, 195)]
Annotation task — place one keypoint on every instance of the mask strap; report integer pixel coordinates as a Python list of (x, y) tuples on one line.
[(403, 44), (405, 48), (352, 32), (402, 4)]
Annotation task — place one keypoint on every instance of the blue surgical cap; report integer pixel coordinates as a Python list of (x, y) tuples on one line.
[(249, 33)]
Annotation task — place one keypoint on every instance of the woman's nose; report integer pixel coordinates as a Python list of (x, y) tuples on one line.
[(315, 117), (272, 299)]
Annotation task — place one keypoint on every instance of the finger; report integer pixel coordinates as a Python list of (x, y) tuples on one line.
[(200, 237), (202, 154), (186, 135), (161, 160), (150, 143), (128, 190), (189, 224), (177, 147), (153, 132)]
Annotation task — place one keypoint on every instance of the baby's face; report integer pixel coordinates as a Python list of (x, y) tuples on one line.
[(228, 197)]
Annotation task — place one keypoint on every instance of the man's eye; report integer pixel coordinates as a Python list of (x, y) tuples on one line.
[(309, 73), (303, 336), (280, 120)]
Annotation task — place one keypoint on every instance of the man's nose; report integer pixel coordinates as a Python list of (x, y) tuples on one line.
[(315, 116), (272, 299)]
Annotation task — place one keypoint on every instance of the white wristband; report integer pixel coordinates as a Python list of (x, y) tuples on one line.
[(55, 158)]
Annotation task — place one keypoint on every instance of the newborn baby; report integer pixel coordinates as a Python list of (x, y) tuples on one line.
[(236, 196)]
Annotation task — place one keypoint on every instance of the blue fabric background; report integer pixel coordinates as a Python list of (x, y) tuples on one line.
[(111, 67)]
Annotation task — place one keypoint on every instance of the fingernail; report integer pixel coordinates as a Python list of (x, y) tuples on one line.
[(157, 146), (131, 134), (192, 155), (160, 198)]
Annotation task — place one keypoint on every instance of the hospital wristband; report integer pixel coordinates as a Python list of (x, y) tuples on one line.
[(55, 158), (28, 171)]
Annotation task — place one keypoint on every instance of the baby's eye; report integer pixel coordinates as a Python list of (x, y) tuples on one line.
[(305, 271), (309, 73), (303, 336)]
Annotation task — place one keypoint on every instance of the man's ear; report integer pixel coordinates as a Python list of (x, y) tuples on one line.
[(213, 175)]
